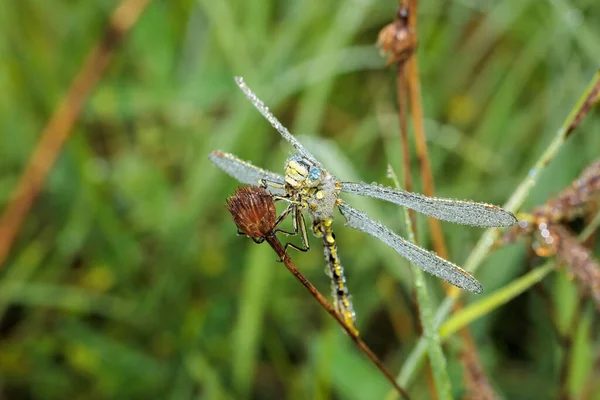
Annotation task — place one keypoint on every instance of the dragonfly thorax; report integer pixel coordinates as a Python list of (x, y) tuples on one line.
[(300, 173), (314, 188)]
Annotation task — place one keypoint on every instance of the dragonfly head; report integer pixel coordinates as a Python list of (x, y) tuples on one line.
[(301, 172)]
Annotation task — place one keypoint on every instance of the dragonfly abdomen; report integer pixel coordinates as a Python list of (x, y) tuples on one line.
[(339, 290)]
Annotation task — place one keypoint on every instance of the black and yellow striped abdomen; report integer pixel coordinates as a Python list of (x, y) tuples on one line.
[(339, 290)]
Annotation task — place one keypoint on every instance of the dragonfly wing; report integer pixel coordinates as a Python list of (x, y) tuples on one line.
[(458, 211), (264, 110), (424, 259), (243, 171)]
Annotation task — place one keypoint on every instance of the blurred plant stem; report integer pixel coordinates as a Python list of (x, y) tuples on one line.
[(60, 125)]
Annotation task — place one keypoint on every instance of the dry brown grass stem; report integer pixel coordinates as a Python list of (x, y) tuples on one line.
[(60, 125)]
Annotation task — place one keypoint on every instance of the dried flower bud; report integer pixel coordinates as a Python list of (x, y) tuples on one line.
[(397, 40), (253, 211)]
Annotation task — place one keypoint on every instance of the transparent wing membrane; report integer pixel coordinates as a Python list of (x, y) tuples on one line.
[(426, 260), (458, 211), (264, 110), (245, 172)]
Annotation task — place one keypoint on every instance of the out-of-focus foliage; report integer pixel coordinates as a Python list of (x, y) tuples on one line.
[(128, 279)]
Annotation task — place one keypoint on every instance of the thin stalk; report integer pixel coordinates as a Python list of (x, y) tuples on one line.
[(407, 77), (568, 350), (401, 86)]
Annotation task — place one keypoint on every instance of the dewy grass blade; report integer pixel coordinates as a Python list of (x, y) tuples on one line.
[(432, 338), (484, 244)]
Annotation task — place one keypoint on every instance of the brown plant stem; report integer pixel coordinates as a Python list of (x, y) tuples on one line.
[(289, 264), (60, 125), (414, 95), (402, 120), (408, 76), (416, 108)]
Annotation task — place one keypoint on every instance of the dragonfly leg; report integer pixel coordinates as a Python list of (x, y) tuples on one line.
[(257, 240), (290, 208), (287, 199), (266, 183), (299, 225)]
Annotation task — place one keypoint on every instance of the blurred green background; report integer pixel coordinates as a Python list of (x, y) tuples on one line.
[(128, 280)]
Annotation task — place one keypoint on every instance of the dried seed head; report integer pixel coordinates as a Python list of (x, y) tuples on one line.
[(253, 210), (397, 40)]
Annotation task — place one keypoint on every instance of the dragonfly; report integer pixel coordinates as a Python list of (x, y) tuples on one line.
[(306, 186)]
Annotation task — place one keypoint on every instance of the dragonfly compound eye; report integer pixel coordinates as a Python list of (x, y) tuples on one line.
[(314, 176)]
